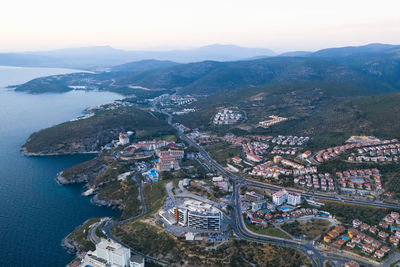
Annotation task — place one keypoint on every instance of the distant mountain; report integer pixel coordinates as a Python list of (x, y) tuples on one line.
[(295, 54), (143, 65), (376, 67), (106, 56), (352, 50), (209, 77)]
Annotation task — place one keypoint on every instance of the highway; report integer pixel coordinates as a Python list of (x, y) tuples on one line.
[(317, 258)]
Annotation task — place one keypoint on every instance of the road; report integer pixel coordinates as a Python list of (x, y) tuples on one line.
[(237, 223), (111, 223), (316, 257)]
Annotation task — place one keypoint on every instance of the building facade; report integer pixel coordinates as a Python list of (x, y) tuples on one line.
[(280, 197), (197, 215), (293, 199)]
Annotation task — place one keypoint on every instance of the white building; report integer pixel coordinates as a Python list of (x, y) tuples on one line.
[(280, 197), (197, 215), (137, 261), (110, 254), (293, 199), (123, 139)]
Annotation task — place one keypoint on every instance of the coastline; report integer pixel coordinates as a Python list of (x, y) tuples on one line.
[(43, 154)]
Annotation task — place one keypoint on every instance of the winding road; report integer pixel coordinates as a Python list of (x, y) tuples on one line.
[(317, 257)]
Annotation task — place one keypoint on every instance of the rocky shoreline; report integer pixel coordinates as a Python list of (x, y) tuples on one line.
[(25, 152)]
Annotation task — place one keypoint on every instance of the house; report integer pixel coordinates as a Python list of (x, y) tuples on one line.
[(376, 244), (368, 248), (339, 229), (306, 154), (352, 233), (327, 239), (236, 160), (350, 244), (356, 223), (383, 235), (253, 157), (373, 230), (364, 227), (368, 240), (385, 249), (379, 254), (339, 243), (333, 234), (394, 240), (383, 225), (351, 264)]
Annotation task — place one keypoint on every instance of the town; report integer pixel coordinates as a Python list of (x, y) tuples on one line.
[(199, 209)]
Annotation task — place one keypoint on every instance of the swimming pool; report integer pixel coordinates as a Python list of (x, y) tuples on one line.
[(357, 181), (286, 208)]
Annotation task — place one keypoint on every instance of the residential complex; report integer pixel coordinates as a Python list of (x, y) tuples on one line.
[(227, 116), (273, 120)]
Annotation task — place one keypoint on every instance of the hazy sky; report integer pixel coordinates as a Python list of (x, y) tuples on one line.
[(280, 25)]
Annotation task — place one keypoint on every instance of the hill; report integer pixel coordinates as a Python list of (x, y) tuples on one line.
[(205, 78), (143, 65), (376, 67), (329, 112), (90, 134), (353, 50)]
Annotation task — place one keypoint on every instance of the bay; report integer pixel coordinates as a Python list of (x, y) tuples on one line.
[(36, 213)]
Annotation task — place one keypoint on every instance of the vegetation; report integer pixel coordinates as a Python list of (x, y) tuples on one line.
[(92, 133), (310, 229), (85, 171), (146, 238), (151, 239), (125, 194), (154, 196), (328, 112), (375, 69), (346, 213), (270, 230), (222, 151), (78, 237)]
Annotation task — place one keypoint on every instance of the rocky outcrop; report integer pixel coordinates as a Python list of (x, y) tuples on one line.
[(115, 203), (83, 172)]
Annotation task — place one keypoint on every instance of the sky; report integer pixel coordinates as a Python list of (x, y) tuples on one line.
[(280, 25)]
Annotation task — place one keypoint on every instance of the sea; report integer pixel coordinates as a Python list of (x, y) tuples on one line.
[(36, 213)]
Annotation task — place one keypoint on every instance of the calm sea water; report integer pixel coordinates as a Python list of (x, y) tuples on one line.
[(35, 212)]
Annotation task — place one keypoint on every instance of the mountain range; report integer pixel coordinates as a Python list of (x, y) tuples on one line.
[(374, 66), (106, 56)]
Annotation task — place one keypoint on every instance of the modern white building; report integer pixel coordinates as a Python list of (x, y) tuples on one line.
[(280, 197), (293, 199), (110, 254), (197, 215)]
